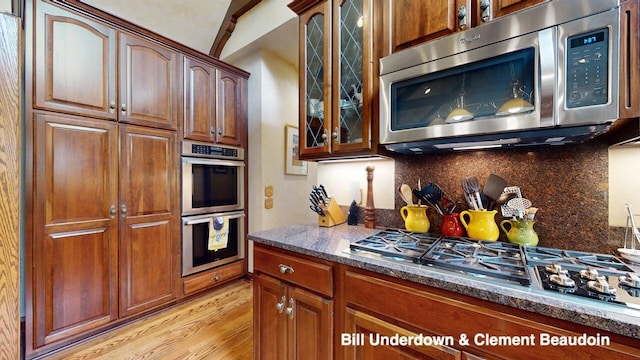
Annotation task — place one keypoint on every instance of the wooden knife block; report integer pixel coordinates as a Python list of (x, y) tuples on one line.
[(333, 215)]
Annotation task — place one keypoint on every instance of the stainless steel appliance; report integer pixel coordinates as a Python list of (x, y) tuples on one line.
[(548, 74), (212, 178), (202, 236), (213, 218), (578, 275)]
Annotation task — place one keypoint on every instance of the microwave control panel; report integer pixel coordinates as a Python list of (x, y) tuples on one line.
[(587, 69)]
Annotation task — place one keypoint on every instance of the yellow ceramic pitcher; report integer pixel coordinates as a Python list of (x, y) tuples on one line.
[(481, 225), (415, 218)]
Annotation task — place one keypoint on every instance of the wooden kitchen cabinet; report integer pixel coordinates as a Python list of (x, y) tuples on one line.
[(338, 85), (149, 218), (231, 119), (215, 104), (199, 100), (75, 241), (148, 78), (291, 319), (76, 71), (104, 228), (487, 10), (413, 22), (371, 305), (74, 63)]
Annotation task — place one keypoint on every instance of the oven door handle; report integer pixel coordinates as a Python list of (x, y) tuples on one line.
[(204, 220), (198, 221), (200, 161)]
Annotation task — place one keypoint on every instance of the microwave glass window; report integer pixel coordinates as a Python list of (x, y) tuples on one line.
[(201, 242), (214, 185), (468, 92)]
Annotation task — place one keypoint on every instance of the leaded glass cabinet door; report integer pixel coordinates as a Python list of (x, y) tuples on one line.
[(351, 75), (315, 89)]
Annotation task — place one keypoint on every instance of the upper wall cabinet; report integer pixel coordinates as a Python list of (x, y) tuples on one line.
[(76, 71), (416, 21), (215, 103), (336, 77)]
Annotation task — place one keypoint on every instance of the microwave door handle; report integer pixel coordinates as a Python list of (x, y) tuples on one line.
[(547, 45)]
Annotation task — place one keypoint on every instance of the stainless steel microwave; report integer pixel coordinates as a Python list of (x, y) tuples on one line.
[(212, 178), (548, 74)]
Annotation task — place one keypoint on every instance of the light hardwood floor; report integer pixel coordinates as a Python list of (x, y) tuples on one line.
[(215, 326)]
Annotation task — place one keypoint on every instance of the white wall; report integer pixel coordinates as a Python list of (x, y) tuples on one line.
[(5, 6), (624, 183), (273, 103)]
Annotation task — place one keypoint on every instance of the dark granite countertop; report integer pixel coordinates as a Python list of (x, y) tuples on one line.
[(332, 244)]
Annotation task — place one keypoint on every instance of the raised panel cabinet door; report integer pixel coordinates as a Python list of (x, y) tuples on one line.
[(416, 21), (74, 257), (199, 100), (232, 109), (504, 7), (75, 64), (269, 322), (310, 327), (148, 83), (366, 333), (149, 218)]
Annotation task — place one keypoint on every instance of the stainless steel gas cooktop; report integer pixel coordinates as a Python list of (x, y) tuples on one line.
[(600, 277)]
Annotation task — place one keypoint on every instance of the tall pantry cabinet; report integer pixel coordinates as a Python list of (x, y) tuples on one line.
[(105, 213)]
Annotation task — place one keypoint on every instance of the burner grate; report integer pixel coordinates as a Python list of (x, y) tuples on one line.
[(493, 259), (574, 260), (396, 244)]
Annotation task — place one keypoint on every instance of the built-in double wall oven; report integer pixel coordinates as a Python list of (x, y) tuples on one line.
[(213, 218)]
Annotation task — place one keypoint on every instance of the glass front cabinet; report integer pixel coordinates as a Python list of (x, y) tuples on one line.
[(336, 77)]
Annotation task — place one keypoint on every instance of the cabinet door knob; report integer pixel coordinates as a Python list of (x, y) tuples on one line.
[(290, 310), (123, 108), (280, 305), (285, 269), (334, 135), (485, 7), (112, 211), (123, 210), (212, 130), (112, 106), (462, 17)]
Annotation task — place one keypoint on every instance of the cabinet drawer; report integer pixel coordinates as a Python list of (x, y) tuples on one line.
[(309, 274), (213, 277)]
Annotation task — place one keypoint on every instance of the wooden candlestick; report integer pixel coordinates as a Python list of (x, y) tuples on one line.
[(370, 210)]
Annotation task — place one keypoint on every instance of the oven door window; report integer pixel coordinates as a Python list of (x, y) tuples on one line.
[(221, 235), (214, 185)]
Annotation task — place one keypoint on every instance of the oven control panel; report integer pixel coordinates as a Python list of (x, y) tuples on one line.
[(195, 148), (587, 69)]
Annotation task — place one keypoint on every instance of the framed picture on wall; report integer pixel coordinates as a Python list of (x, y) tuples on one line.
[(292, 163)]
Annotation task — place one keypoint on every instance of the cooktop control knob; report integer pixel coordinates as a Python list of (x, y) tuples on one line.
[(562, 280), (591, 274), (631, 280), (601, 285), (556, 268)]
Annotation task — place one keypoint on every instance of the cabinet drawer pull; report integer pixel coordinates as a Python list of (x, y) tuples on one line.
[(216, 278), (280, 305), (285, 269), (289, 310)]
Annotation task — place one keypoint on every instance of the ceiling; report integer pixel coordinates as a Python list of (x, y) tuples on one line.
[(199, 24)]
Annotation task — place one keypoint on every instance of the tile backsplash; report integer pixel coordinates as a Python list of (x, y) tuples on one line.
[(569, 185)]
